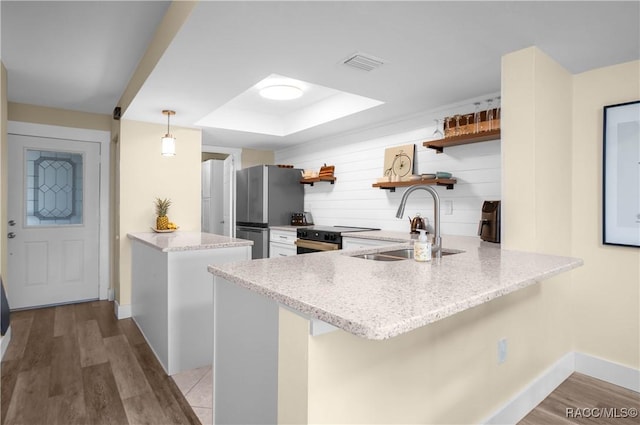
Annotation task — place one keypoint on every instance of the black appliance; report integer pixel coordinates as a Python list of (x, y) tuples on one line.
[(489, 227), (323, 238), (266, 195), (4, 310)]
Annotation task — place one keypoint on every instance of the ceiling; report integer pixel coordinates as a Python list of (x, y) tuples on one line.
[(76, 55), (80, 55)]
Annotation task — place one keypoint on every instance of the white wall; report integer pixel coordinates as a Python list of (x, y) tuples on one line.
[(352, 201)]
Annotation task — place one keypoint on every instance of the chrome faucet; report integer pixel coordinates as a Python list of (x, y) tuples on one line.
[(437, 243)]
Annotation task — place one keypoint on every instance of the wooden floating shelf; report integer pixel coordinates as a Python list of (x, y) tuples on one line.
[(391, 186), (312, 180), (462, 139)]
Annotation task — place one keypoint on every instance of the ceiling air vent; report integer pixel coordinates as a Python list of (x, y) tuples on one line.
[(363, 62)]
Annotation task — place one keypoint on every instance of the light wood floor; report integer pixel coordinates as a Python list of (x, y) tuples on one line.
[(581, 396), (77, 364)]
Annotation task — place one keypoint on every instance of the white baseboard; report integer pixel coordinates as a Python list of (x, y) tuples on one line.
[(111, 294), (614, 373), (522, 403), (122, 311), (4, 342), (527, 399)]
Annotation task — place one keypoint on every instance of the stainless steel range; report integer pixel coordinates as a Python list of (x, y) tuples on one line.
[(323, 238)]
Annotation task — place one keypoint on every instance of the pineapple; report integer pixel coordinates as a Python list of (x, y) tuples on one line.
[(162, 206)]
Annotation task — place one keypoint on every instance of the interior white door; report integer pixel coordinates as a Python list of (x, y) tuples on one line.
[(205, 224), (212, 196), (228, 188), (53, 212), (216, 208)]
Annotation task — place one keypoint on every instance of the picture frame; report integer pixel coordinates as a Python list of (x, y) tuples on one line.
[(398, 162), (621, 175)]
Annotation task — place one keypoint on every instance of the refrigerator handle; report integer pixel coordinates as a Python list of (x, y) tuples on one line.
[(252, 229)]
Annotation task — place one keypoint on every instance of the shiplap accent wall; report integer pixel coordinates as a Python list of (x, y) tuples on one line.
[(351, 201)]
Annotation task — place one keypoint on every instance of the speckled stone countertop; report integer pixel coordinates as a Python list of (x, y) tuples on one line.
[(383, 299), (186, 241)]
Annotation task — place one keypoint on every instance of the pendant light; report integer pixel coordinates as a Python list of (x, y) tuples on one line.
[(168, 141)]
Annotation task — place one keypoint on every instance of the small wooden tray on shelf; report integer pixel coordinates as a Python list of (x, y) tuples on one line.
[(462, 139), (391, 186), (325, 175), (312, 180)]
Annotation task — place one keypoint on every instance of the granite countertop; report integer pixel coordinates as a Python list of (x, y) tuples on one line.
[(382, 299), (186, 241)]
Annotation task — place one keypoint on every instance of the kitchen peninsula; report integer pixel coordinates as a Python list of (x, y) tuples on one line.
[(299, 338), (172, 295)]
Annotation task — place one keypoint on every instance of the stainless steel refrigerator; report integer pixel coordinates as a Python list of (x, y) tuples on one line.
[(266, 195)]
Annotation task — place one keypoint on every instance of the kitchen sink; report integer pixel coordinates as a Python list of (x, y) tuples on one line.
[(380, 257), (400, 254)]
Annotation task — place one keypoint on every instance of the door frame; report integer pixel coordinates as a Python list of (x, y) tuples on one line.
[(83, 135), (236, 155)]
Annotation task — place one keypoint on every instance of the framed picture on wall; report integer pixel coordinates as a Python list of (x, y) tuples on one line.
[(621, 175), (398, 162)]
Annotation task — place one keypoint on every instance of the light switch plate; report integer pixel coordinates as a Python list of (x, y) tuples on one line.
[(448, 207)]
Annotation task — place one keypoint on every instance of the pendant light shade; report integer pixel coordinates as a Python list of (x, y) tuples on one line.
[(168, 141), (168, 145)]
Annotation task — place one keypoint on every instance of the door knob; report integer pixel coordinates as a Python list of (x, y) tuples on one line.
[(12, 222), (11, 235)]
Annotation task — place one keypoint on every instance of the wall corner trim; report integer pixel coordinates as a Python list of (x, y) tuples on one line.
[(526, 400), (122, 311)]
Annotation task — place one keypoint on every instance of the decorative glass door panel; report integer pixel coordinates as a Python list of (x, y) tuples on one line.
[(54, 188)]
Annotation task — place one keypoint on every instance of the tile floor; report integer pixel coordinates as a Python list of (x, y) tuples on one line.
[(197, 387)]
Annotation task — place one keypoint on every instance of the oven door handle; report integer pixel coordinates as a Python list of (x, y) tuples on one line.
[(318, 246)]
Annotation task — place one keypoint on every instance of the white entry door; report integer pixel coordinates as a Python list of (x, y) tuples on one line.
[(53, 213)]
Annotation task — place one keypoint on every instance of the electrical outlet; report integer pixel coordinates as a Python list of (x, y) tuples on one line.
[(448, 207), (502, 350)]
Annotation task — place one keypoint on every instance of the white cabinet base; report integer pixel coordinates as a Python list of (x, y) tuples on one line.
[(282, 243), (245, 374), (172, 299)]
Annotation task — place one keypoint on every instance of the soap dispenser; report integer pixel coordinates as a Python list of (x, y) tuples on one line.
[(422, 247)]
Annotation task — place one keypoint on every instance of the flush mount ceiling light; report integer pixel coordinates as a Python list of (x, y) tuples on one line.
[(318, 105), (281, 92), (168, 141)]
